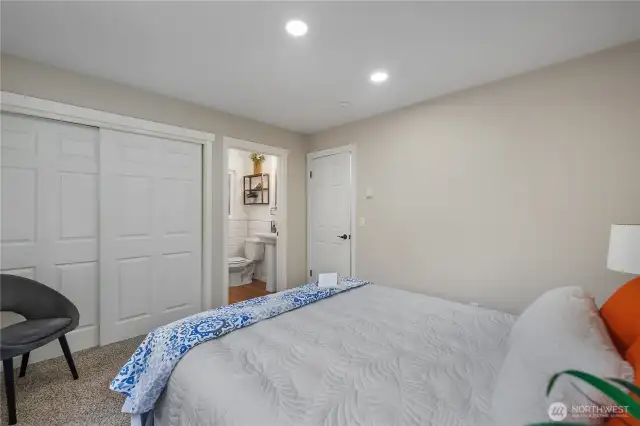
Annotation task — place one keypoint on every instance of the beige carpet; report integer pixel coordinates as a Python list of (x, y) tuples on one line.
[(48, 395)]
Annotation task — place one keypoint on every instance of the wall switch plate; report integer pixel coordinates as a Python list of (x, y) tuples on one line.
[(362, 221), (368, 193)]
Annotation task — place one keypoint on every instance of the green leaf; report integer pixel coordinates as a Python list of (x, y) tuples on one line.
[(630, 386), (616, 395)]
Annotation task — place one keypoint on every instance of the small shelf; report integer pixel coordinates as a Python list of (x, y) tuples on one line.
[(256, 189)]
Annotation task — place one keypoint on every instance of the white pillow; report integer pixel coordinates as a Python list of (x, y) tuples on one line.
[(559, 331)]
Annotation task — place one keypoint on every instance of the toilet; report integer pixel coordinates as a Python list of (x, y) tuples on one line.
[(241, 268)]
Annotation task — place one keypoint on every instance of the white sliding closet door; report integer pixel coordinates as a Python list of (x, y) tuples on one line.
[(151, 233), (50, 214)]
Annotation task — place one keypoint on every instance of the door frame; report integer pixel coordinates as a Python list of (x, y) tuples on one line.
[(223, 219), (42, 108), (353, 198)]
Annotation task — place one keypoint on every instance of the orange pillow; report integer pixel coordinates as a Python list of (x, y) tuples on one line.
[(633, 356), (621, 315)]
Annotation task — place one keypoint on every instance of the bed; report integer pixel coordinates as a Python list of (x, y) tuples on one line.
[(370, 356), (362, 354)]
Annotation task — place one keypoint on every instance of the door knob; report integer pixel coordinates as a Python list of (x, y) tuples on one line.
[(343, 236)]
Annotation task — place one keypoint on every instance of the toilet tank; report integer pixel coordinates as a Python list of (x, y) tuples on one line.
[(253, 249)]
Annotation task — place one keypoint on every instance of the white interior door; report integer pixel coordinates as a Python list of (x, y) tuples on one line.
[(330, 214), (50, 214), (151, 233)]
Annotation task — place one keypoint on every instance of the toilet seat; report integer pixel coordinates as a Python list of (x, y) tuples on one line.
[(240, 271), (238, 261)]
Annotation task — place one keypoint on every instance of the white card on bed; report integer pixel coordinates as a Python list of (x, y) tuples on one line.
[(328, 280)]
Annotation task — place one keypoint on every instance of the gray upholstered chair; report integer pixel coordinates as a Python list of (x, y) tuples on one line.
[(49, 316)]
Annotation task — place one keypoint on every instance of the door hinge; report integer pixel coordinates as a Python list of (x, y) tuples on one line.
[(310, 175), (311, 272)]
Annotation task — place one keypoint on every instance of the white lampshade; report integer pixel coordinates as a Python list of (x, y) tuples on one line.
[(624, 249)]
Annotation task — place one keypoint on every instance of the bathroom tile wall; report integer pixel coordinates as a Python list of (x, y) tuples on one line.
[(237, 235), (255, 226)]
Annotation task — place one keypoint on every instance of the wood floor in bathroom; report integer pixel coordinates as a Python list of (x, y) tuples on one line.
[(248, 291)]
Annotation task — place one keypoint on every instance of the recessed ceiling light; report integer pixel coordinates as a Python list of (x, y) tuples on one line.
[(378, 77), (296, 28)]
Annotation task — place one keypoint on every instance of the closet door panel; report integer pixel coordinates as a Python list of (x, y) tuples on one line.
[(50, 213), (151, 233), (20, 173), (79, 282), (19, 191)]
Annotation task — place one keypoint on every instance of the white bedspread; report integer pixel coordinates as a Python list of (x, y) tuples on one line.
[(371, 356)]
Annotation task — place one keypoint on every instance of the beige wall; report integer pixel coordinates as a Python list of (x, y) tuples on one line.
[(500, 192), (490, 195), (42, 81)]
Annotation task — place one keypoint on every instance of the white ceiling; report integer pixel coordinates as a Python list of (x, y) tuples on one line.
[(237, 57)]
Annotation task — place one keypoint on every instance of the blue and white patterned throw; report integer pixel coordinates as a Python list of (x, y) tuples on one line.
[(143, 378)]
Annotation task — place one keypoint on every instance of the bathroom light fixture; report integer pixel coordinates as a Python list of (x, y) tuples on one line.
[(378, 77), (296, 28)]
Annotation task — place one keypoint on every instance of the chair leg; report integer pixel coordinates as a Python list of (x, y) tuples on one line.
[(24, 363), (67, 355), (7, 366)]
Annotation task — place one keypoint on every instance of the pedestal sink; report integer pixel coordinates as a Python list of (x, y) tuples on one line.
[(270, 257)]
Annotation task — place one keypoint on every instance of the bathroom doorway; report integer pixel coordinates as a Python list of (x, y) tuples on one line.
[(255, 220)]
